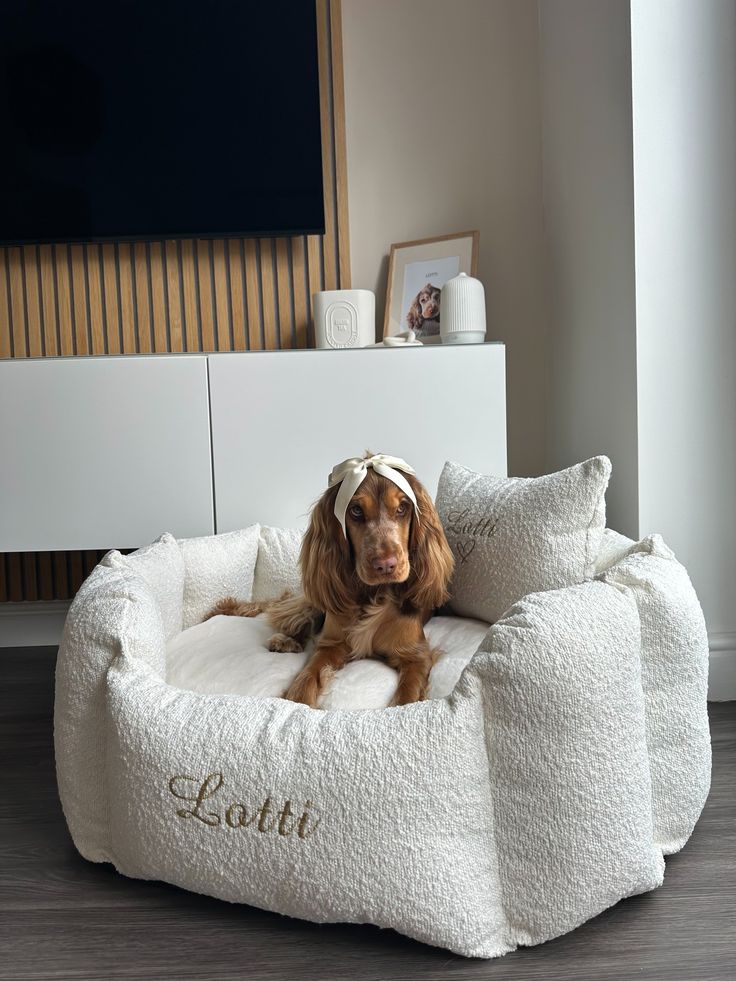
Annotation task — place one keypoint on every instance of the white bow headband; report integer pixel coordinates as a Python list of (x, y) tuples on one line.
[(351, 474)]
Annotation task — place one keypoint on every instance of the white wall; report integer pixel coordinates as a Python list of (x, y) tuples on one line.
[(639, 171), (684, 100), (589, 222), (443, 135)]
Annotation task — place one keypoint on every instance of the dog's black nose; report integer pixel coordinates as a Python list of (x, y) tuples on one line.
[(385, 566)]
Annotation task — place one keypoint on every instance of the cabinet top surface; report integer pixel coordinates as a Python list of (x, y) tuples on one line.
[(226, 354)]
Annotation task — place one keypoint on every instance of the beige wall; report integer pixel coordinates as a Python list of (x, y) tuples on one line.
[(443, 135), (585, 57)]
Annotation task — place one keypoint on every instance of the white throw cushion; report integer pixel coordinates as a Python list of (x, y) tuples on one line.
[(217, 566), (516, 535), (277, 568), (230, 655), (162, 567)]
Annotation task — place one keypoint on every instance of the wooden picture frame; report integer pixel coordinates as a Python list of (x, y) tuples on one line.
[(417, 271)]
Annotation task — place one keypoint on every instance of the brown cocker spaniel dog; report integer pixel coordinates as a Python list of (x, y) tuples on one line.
[(373, 591), (424, 313)]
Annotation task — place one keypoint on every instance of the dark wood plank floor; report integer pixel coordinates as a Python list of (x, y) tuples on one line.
[(62, 917)]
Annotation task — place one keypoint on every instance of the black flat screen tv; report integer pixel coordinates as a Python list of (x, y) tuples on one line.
[(149, 119)]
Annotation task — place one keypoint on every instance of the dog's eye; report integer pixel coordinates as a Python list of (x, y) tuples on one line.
[(356, 511), (401, 509)]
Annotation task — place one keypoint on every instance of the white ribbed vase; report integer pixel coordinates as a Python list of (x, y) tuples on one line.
[(463, 311)]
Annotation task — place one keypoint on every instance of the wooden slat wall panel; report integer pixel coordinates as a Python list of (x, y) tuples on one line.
[(6, 339), (15, 578), (301, 300), (173, 297), (315, 274), (222, 302), (253, 295), (97, 315), (142, 291), (236, 279), (283, 279), (30, 589), (61, 575), (268, 296), (79, 300), (207, 325), (339, 144), (328, 163), (189, 289), (63, 298), (240, 294), (33, 301), (48, 301), (111, 292), (17, 306), (45, 576), (158, 297), (127, 298)]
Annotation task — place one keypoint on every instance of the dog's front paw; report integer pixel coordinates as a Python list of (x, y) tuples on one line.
[(304, 689), (283, 644), (407, 698)]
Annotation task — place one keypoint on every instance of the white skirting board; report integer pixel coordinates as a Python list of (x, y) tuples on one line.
[(32, 624), (722, 667), (40, 625)]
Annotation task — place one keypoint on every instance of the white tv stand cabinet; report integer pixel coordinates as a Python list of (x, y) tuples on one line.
[(103, 452)]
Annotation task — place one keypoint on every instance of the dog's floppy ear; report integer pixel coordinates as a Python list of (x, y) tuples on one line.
[(431, 559), (325, 560), (414, 316)]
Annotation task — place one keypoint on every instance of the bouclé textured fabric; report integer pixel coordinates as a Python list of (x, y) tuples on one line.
[(277, 568), (162, 567), (674, 657), (573, 808), (114, 609), (569, 755), (217, 566), (418, 858), (230, 655), (568, 759), (516, 535), (613, 548)]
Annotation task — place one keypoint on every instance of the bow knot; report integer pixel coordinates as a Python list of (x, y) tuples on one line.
[(351, 473)]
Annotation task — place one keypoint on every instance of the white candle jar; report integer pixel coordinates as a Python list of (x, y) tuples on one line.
[(344, 318)]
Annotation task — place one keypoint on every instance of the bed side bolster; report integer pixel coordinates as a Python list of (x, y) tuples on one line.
[(568, 762), (161, 566), (674, 652), (113, 609)]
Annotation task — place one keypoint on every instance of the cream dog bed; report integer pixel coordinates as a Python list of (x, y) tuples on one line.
[(563, 751), (230, 655)]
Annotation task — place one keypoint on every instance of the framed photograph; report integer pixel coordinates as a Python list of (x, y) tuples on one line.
[(417, 271)]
